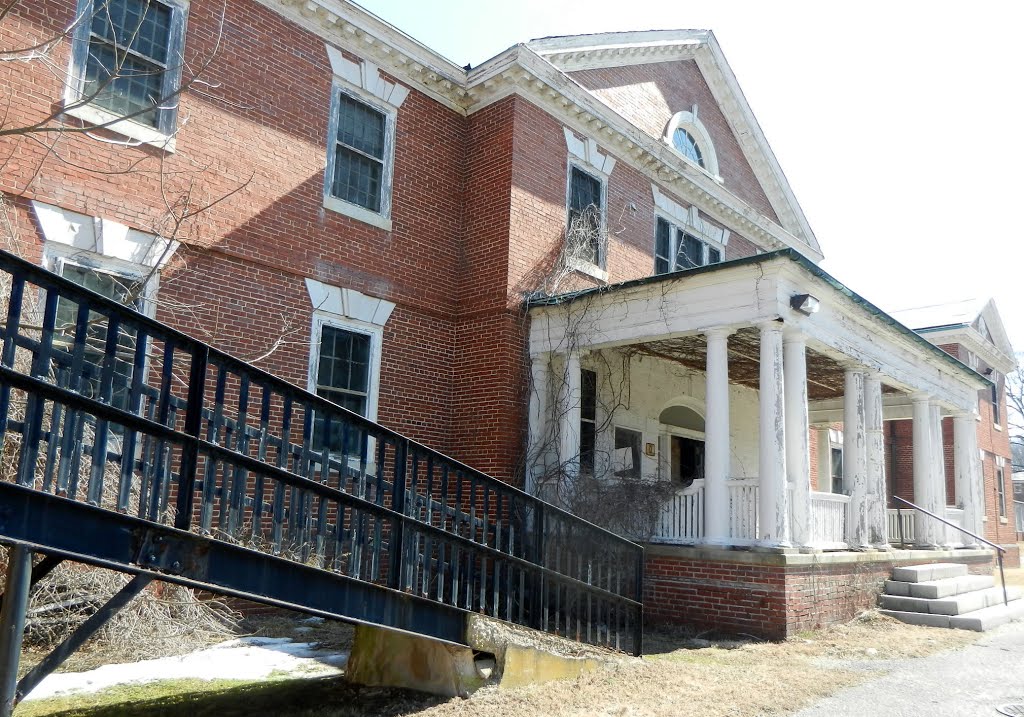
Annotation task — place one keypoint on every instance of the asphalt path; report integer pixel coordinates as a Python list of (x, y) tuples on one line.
[(970, 682)]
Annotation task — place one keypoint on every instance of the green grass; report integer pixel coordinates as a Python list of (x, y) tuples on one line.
[(230, 698)]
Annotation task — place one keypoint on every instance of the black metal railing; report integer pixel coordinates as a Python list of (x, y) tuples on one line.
[(113, 410), (999, 549)]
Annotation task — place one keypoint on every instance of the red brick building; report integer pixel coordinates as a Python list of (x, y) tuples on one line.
[(569, 261)]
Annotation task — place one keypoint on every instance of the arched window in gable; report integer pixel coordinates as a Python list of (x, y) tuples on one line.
[(687, 135)]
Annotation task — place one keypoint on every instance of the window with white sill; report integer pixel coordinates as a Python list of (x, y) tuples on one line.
[(586, 199), (364, 109), (586, 217), (126, 63)]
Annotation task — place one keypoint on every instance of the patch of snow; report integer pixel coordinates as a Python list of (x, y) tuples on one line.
[(247, 658)]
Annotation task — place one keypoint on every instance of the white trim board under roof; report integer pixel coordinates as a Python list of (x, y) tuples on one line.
[(521, 71)]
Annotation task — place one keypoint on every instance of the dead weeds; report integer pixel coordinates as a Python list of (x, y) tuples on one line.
[(682, 674)]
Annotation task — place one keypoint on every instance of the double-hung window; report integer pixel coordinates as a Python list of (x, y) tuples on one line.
[(1001, 485), (584, 233), (343, 371), (359, 146), (360, 157), (343, 374), (127, 64), (675, 249), (995, 399)]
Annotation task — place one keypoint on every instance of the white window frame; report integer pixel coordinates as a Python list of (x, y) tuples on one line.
[(599, 270), (688, 121), (674, 237), (381, 219), (376, 334), (57, 256), (162, 135), (836, 443), (1000, 470), (995, 401), (586, 155), (363, 81)]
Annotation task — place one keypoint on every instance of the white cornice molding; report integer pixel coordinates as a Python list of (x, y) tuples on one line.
[(350, 27), (521, 71), (971, 339), (590, 52)]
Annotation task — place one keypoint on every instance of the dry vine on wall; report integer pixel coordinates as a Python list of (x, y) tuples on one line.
[(627, 504)]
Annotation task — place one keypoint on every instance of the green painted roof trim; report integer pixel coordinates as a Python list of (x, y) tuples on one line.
[(943, 327), (787, 253)]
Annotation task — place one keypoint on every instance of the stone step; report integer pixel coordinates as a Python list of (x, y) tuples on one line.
[(926, 573), (979, 620), (986, 619), (940, 588), (953, 605), (918, 618)]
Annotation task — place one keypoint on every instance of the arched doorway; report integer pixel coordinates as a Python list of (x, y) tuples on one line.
[(683, 447)]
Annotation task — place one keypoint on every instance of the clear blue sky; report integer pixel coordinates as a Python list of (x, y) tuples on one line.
[(897, 123)]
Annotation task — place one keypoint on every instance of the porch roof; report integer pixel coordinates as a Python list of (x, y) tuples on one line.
[(796, 259)]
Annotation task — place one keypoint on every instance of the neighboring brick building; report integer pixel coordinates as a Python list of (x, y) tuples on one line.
[(390, 230), (973, 332)]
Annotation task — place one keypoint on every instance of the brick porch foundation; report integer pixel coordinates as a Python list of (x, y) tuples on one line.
[(777, 594)]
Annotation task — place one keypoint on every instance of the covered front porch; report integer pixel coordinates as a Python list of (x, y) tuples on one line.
[(755, 394)]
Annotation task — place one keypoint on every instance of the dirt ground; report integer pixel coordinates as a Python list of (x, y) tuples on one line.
[(679, 675)]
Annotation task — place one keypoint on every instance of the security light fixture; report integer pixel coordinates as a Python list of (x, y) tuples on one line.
[(805, 304)]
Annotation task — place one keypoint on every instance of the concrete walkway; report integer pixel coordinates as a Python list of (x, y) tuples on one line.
[(969, 682)]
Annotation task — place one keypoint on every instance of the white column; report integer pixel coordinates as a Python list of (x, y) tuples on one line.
[(938, 495), (716, 439), (798, 450), (855, 458), (824, 459), (773, 516), (877, 492), (537, 448), (924, 466), (568, 409), (967, 469)]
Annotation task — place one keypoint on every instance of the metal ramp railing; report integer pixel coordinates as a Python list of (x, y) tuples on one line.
[(129, 445)]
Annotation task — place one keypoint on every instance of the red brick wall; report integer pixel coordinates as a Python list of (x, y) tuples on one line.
[(648, 96), (478, 215), (269, 121)]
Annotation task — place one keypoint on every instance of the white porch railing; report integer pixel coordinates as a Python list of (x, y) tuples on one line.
[(743, 509), (953, 536), (681, 520), (828, 520), (909, 521), (682, 516)]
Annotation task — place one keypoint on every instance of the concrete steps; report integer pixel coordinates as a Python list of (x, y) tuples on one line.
[(944, 595)]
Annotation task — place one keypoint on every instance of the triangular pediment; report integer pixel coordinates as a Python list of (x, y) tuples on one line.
[(990, 324), (622, 49)]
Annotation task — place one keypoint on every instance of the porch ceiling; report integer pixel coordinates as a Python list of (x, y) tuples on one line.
[(825, 376)]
